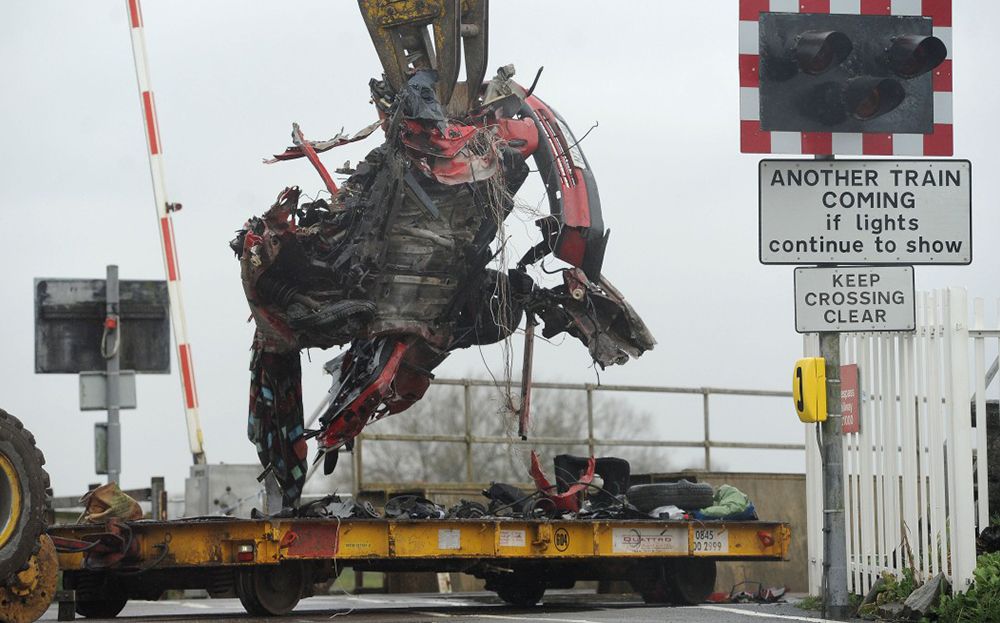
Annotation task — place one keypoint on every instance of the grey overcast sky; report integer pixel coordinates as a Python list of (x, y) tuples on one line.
[(230, 77)]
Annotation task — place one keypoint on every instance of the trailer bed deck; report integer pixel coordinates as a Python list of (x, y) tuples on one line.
[(271, 563)]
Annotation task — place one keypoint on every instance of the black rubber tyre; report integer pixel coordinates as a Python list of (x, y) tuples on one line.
[(101, 608), (519, 590), (656, 595), (24, 500), (247, 595), (270, 590), (336, 313), (683, 582), (691, 581), (683, 494), (649, 580)]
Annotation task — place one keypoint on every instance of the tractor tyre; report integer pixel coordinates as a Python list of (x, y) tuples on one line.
[(24, 498)]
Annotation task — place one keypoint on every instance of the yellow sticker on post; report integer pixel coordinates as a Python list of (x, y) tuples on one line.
[(809, 389)]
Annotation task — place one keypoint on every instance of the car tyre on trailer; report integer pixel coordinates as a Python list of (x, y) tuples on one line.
[(682, 494)]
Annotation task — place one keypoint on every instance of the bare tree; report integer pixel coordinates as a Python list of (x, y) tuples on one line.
[(556, 414)]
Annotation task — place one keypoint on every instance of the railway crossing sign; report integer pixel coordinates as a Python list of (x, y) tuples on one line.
[(865, 212), (854, 298), (852, 77), (860, 77)]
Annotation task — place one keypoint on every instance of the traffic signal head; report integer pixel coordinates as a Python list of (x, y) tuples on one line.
[(910, 56), (868, 97), (847, 73), (817, 52)]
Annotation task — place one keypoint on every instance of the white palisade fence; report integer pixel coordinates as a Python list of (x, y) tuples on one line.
[(914, 494)]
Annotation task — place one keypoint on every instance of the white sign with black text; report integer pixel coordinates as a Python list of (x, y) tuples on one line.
[(857, 298), (865, 212)]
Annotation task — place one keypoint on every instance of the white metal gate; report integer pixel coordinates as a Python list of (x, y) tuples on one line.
[(910, 492)]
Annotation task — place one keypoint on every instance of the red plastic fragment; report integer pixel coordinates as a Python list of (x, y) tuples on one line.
[(567, 501), (310, 154)]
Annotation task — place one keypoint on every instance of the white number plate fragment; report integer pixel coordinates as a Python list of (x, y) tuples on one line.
[(711, 541)]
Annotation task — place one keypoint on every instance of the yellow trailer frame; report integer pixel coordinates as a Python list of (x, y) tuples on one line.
[(665, 561)]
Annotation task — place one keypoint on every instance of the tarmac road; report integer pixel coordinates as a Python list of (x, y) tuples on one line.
[(557, 607)]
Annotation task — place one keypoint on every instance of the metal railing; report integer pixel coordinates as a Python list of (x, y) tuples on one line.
[(591, 441)]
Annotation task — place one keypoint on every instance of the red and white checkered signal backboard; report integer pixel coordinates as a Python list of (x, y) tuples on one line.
[(755, 140)]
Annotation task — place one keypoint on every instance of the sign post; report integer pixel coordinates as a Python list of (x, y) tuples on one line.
[(111, 350), (836, 599), (834, 522)]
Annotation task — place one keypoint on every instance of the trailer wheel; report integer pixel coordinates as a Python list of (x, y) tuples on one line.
[(691, 581), (23, 496), (650, 581), (518, 590), (270, 590), (107, 608), (682, 494), (684, 582), (98, 595)]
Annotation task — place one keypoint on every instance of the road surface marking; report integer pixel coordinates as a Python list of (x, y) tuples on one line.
[(373, 601), (762, 614), (533, 618)]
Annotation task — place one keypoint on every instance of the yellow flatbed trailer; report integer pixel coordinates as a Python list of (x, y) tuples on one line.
[(271, 564)]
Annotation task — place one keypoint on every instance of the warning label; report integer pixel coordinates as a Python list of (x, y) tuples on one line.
[(512, 538), (864, 212), (449, 539), (849, 402)]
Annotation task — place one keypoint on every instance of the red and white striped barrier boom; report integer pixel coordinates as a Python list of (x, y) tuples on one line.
[(163, 213)]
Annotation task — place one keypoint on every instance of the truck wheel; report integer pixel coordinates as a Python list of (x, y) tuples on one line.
[(683, 494), (270, 590), (518, 590), (23, 497)]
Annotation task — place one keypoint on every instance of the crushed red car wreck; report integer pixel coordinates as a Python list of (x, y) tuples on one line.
[(400, 262)]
